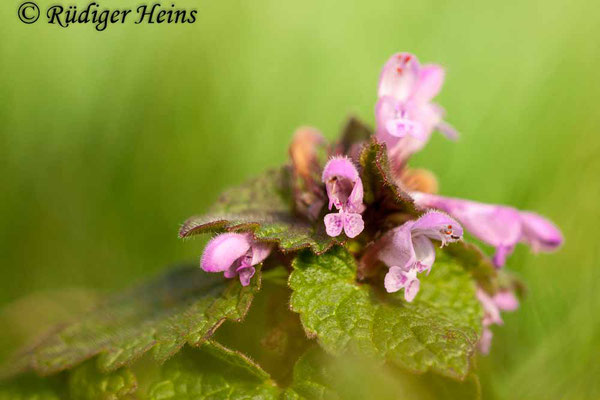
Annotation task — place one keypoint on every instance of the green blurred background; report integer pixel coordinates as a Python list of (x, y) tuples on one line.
[(109, 140)]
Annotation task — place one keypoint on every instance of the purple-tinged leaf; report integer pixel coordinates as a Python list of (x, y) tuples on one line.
[(264, 207)]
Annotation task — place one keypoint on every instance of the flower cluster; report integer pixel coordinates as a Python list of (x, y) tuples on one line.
[(405, 117)]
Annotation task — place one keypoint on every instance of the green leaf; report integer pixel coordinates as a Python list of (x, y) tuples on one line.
[(186, 305), (318, 376), (476, 263), (438, 331), (235, 358), (312, 378), (379, 182), (264, 206), (271, 334), (198, 374), (86, 382)]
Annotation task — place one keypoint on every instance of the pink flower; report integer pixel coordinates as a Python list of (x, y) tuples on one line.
[(499, 226), (504, 300), (397, 279), (345, 192), (408, 250), (234, 254), (404, 113)]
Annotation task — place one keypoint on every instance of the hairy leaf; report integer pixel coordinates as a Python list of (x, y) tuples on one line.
[(211, 371), (86, 382), (185, 305), (235, 358), (264, 206), (381, 187), (438, 331), (199, 375), (308, 154), (476, 263)]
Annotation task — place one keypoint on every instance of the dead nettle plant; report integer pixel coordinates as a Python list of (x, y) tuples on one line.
[(343, 253)]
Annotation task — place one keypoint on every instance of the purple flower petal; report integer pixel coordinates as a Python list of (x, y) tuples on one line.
[(234, 254), (223, 250), (496, 225), (491, 312), (345, 192), (394, 279), (402, 127), (341, 177), (404, 113), (424, 253), (447, 130), (399, 76), (438, 226), (385, 110), (340, 167), (245, 274), (499, 226), (431, 79), (397, 279), (501, 254), (398, 249), (409, 245), (353, 224), (355, 201), (260, 251), (540, 233), (506, 300), (334, 224), (231, 272), (405, 127), (503, 300), (412, 288), (408, 249), (485, 343)]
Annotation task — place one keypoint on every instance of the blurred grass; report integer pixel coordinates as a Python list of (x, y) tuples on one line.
[(109, 140)]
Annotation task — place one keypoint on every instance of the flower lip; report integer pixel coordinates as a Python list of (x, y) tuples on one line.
[(397, 279)]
